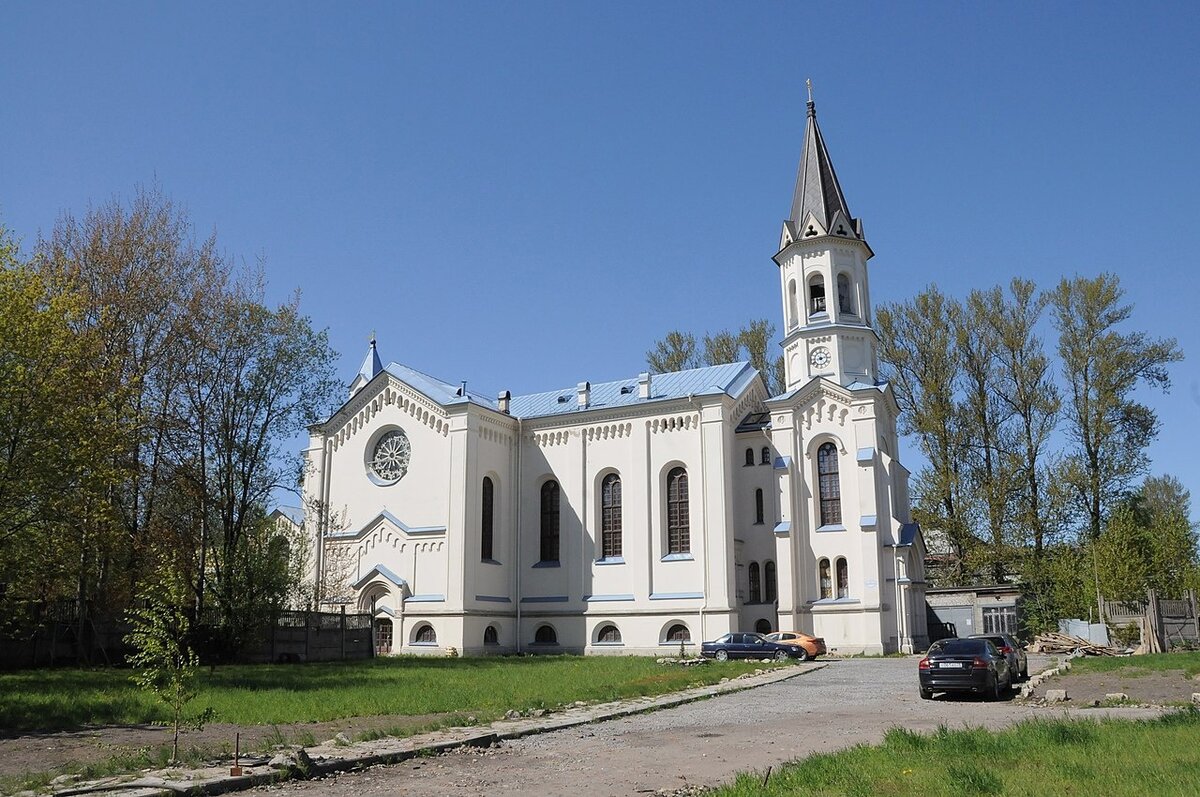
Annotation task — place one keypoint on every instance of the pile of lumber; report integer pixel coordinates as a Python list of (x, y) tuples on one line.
[(1051, 642)]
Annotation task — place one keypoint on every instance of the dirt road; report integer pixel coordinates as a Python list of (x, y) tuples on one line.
[(699, 744)]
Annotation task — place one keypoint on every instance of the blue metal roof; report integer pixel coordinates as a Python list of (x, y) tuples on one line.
[(443, 393), (730, 379)]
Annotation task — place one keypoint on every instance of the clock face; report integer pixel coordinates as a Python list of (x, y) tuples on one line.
[(820, 357)]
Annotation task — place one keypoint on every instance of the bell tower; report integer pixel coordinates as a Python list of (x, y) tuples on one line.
[(822, 263)]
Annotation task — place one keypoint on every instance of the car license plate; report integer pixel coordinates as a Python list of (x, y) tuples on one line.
[(951, 665)]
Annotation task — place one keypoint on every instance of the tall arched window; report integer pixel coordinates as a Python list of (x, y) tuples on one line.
[(766, 455), (770, 583), (749, 456), (549, 539), (485, 526), (828, 485), (845, 305), (758, 506), (610, 516), (679, 533), (755, 590), (843, 579), (816, 296), (793, 309), (491, 636), (825, 579)]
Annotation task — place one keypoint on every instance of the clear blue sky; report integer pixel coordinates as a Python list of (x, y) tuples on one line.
[(526, 195)]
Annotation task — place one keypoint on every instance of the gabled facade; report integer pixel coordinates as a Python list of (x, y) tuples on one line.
[(636, 515)]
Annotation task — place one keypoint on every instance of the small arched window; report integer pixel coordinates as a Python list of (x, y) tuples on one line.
[(758, 506), (486, 527), (679, 538), (770, 583), (816, 296), (609, 635), (762, 627), (755, 586), (766, 456), (610, 517), (491, 636), (843, 579), (825, 578), (545, 635), (549, 526), (828, 485), (749, 456), (679, 633), (845, 304), (425, 635)]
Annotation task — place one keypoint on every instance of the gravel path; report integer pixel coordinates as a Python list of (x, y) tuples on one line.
[(699, 744)]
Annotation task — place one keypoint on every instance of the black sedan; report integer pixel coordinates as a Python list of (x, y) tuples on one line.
[(747, 646), (965, 665)]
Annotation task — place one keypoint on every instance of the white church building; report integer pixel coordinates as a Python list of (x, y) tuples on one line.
[(634, 515)]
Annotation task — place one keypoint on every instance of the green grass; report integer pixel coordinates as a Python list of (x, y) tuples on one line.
[(49, 700), (1036, 757), (1133, 666)]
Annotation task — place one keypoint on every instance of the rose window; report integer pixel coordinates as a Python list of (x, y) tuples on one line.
[(389, 461)]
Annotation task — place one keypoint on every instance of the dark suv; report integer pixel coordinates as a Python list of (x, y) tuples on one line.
[(1018, 662)]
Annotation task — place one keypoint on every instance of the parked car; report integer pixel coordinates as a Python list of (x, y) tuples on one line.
[(1018, 662), (747, 646), (964, 665), (809, 646)]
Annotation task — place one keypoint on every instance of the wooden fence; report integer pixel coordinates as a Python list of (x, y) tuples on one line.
[(1175, 622)]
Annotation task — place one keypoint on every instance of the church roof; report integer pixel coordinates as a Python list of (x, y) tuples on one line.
[(730, 379), (443, 393), (817, 189)]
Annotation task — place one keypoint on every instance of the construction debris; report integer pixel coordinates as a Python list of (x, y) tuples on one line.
[(1051, 642)]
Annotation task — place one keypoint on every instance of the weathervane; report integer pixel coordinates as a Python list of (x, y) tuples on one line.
[(808, 83)]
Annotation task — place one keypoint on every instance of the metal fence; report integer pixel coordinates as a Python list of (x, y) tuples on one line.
[(54, 636)]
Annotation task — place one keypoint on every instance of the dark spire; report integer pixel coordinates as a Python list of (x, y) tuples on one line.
[(817, 189)]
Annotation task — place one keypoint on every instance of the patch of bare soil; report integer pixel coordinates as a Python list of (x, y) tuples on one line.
[(1158, 688), (48, 752)]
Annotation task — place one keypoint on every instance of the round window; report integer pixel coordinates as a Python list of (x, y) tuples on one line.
[(389, 458)]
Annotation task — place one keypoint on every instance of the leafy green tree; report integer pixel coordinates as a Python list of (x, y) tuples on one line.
[(922, 364), (267, 375), (675, 352), (55, 433), (1163, 506), (1025, 385), (678, 351), (755, 338), (991, 467), (1103, 366), (722, 347), (164, 662)]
